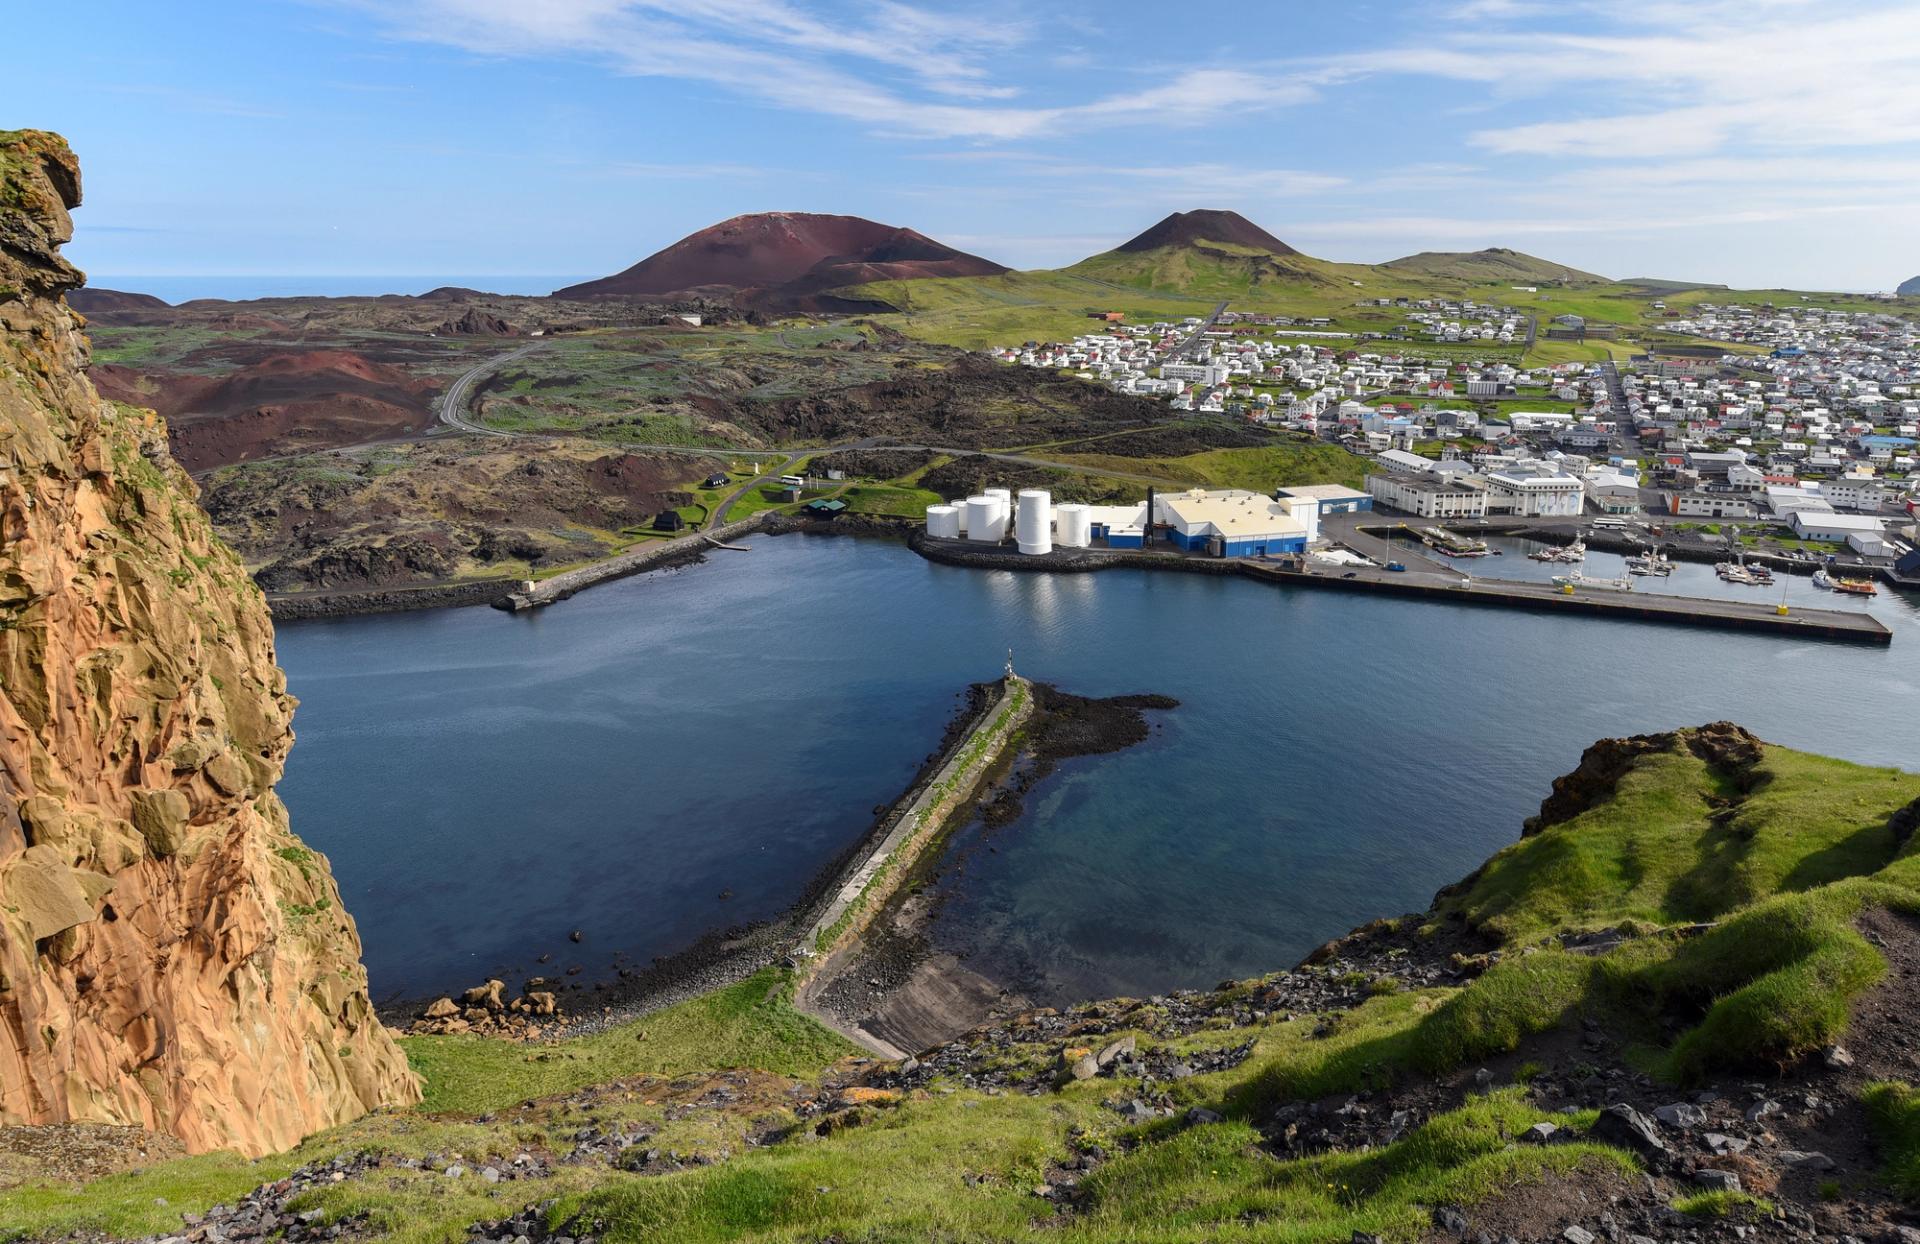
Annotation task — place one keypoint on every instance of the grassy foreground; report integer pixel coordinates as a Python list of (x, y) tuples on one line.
[(1781, 856)]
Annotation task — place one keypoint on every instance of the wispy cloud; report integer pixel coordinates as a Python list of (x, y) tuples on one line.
[(903, 70), (1773, 74)]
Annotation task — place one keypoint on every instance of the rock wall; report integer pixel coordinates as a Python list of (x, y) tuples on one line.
[(171, 956)]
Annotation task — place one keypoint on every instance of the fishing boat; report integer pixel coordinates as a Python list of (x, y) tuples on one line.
[(1575, 552), (1576, 580), (1734, 572), (1856, 587), (1822, 580), (1761, 574), (1649, 564), (1452, 544)]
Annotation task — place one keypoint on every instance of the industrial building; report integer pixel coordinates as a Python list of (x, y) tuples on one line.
[(1225, 523), (1533, 494), (1236, 523), (1428, 496), (1834, 528), (1330, 498), (1709, 505)]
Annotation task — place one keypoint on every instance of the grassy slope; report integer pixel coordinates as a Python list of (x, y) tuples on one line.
[(751, 1024), (1261, 469), (1786, 873), (1655, 851), (976, 312)]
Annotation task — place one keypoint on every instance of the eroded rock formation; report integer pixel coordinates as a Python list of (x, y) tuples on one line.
[(171, 956)]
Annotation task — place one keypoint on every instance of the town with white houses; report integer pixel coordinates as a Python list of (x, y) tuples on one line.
[(1804, 431)]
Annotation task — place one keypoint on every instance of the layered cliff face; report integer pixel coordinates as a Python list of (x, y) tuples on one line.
[(171, 956)]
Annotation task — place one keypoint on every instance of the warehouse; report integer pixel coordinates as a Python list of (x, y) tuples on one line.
[(1330, 498), (1834, 528), (1235, 523), (1119, 526)]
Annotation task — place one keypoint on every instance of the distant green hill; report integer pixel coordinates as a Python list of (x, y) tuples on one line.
[(1186, 264), (1493, 264)]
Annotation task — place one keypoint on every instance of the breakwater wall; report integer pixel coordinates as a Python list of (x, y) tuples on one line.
[(296, 605), (675, 552), (873, 878)]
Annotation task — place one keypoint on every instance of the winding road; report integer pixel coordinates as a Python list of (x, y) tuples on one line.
[(453, 403), (452, 411)]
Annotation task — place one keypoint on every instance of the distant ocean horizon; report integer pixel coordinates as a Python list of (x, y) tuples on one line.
[(178, 289)]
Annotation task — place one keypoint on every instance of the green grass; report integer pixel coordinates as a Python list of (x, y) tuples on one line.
[(1893, 1116), (1675, 842), (963, 1168), (894, 502), (1724, 1204), (751, 1024), (1260, 469)]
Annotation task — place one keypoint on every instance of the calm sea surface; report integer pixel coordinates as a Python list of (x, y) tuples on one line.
[(485, 784), (179, 289)]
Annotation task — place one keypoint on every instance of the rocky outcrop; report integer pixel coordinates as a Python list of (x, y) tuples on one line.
[(1722, 744), (476, 323), (171, 956)]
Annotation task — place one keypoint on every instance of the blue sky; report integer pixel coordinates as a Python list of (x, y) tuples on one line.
[(1757, 143)]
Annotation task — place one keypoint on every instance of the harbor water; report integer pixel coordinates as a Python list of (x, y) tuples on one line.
[(667, 755)]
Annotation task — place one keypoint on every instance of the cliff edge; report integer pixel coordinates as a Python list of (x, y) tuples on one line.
[(171, 956)]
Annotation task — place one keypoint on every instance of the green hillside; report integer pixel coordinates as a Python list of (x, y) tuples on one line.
[(1697, 910), (1190, 278)]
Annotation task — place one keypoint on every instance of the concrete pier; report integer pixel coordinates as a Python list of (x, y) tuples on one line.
[(633, 561), (1431, 580), (1739, 615)]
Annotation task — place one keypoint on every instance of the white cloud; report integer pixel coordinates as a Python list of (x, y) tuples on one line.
[(908, 71), (1706, 76)]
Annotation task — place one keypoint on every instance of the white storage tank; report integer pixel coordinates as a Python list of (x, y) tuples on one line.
[(1033, 527), (959, 505), (985, 522), (943, 522), (1005, 500), (1072, 526)]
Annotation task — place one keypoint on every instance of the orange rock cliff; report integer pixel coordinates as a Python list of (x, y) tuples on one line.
[(171, 956)]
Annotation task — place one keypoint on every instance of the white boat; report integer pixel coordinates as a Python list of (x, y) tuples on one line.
[(1734, 572), (1575, 552), (1576, 581), (1821, 579), (1649, 564)]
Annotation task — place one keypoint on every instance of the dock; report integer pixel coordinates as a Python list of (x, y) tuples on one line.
[(652, 556), (1427, 579), (1451, 587)]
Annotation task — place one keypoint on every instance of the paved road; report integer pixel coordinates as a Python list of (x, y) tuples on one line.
[(719, 514), (1193, 338), (453, 403)]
